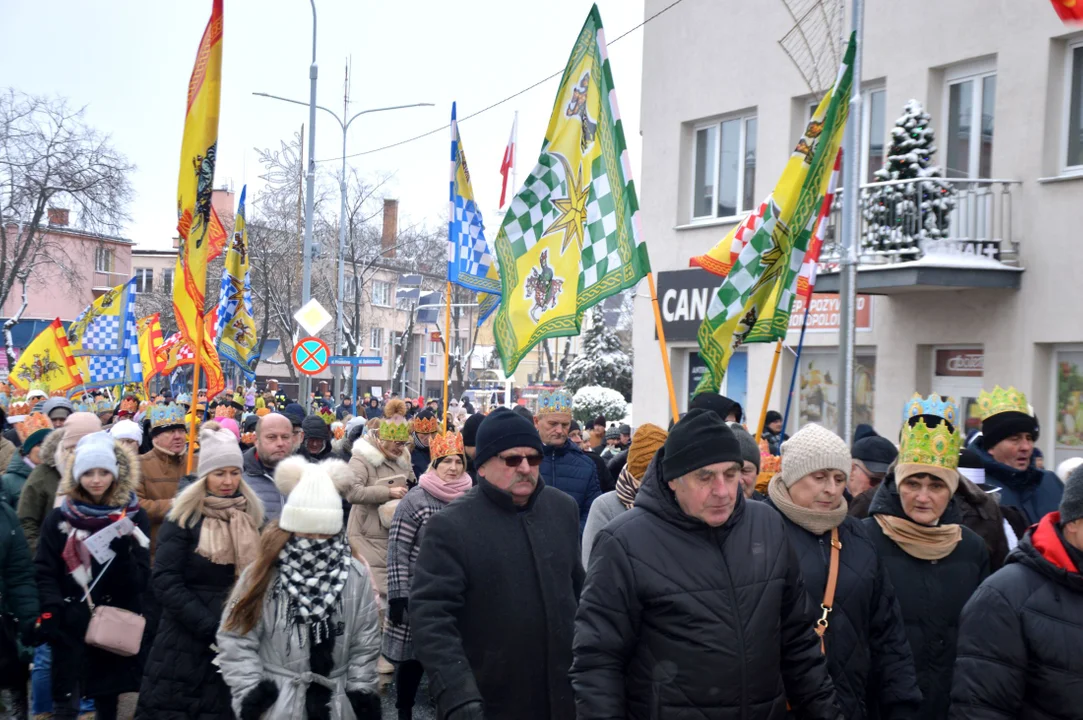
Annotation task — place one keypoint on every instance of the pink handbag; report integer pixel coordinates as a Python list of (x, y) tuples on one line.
[(113, 629)]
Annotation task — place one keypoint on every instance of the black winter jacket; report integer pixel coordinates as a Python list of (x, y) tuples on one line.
[(180, 683), (1020, 635), (507, 643), (865, 632), (682, 620), (18, 589), (97, 672), (569, 469), (931, 594)]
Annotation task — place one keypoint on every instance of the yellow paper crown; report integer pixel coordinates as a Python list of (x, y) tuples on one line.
[(923, 445), (1001, 401), (445, 445), (394, 431)]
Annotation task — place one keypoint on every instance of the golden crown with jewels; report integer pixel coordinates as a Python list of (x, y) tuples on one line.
[(394, 431), (1002, 401), (924, 445), (445, 445)]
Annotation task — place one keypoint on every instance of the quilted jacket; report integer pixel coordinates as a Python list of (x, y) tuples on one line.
[(568, 468)]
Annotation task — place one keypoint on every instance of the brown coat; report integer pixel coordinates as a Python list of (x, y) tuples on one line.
[(374, 476), (7, 451), (161, 473)]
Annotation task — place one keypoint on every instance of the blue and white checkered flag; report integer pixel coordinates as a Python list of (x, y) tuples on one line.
[(470, 263)]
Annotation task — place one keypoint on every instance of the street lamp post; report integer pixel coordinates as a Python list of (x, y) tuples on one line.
[(345, 126), (306, 282)]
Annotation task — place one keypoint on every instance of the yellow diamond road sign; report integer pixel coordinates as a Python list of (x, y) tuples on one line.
[(312, 317)]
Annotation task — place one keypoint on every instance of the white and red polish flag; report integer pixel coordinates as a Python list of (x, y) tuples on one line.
[(508, 163)]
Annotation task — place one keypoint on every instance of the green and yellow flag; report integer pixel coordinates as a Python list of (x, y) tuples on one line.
[(753, 304), (570, 237)]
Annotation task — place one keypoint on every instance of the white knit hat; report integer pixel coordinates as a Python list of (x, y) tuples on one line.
[(94, 451), (314, 505), (127, 430), (813, 448)]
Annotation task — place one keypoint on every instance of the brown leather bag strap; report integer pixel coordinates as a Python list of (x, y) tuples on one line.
[(829, 591)]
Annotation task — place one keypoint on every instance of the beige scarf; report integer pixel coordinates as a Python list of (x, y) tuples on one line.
[(816, 522), (229, 535), (925, 542)]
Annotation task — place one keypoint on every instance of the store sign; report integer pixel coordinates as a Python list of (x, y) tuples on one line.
[(966, 362), (683, 297), (825, 313)]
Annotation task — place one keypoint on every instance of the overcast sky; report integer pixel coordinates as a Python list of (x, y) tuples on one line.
[(129, 61)]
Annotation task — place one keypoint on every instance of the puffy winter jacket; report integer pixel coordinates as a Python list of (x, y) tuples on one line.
[(180, 681), (1020, 635), (931, 594), (681, 620), (568, 468), (11, 484), (39, 490), (270, 651), (865, 632), (262, 482), (1035, 492), (18, 587)]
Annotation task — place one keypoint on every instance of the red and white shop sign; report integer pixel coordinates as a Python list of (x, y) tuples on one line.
[(825, 313), (960, 362)]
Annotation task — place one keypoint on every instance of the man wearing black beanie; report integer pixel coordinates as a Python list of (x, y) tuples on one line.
[(493, 599), (726, 573), (470, 441)]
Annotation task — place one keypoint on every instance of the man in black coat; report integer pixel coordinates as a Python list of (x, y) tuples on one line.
[(1020, 633), (694, 604), (495, 586)]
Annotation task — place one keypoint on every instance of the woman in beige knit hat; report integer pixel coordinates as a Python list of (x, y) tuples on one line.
[(861, 630)]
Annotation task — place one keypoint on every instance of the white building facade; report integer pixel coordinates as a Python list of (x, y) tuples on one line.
[(723, 106)]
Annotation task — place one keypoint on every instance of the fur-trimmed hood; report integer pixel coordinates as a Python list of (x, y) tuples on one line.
[(365, 451), (128, 474), (50, 445), (288, 473)]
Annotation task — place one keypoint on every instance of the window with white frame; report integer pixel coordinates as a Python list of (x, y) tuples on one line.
[(167, 280), (103, 260), (381, 293), (435, 347), (873, 130), (724, 179), (376, 338), (971, 104), (1073, 157), (144, 280)]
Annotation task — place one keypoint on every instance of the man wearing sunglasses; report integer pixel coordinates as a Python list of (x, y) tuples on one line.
[(566, 467), (493, 599)]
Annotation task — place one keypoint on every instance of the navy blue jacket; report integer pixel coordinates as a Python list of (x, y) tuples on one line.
[(1035, 492), (569, 469)]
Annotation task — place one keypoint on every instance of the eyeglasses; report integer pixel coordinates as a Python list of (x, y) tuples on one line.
[(513, 461)]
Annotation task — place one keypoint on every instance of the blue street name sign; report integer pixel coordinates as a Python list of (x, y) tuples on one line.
[(363, 361)]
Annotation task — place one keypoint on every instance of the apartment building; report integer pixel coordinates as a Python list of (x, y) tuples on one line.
[(996, 301)]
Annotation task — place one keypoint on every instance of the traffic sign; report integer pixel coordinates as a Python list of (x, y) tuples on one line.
[(360, 360), (312, 316), (422, 364), (310, 356)]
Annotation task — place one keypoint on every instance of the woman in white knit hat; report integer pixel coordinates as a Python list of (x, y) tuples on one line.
[(301, 633), (209, 537), (862, 634)]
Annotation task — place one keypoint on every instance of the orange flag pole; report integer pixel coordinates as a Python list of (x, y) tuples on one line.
[(192, 425), (767, 395), (662, 345)]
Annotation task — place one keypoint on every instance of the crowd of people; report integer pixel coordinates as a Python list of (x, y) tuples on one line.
[(528, 566)]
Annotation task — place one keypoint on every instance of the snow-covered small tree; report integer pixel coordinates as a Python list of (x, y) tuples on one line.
[(591, 401), (602, 360), (900, 217)]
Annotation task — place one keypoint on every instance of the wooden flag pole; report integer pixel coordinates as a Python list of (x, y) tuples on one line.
[(767, 395), (447, 352), (662, 345), (195, 392)]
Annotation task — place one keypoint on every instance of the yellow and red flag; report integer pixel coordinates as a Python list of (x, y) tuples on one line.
[(1070, 11), (47, 362), (149, 329), (195, 216)]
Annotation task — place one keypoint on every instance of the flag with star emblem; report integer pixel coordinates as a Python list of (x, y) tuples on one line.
[(753, 304), (570, 237), (235, 326)]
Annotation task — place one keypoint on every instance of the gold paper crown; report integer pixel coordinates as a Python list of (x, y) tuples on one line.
[(923, 445), (33, 423), (423, 425), (394, 431), (129, 405), (1001, 401), (225, 411), (554, 401), (19, 406), (445, 445)]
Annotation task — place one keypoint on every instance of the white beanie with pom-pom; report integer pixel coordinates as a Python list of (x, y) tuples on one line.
[(313, 495)]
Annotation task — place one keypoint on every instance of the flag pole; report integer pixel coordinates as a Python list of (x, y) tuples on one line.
[(796, 368), (767, 395), (447, 352), (662, 345), (195, 394)]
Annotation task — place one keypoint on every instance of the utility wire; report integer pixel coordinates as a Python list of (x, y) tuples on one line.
[(499, 102)]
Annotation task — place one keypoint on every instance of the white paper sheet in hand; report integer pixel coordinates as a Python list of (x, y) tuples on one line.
[(98, 543)]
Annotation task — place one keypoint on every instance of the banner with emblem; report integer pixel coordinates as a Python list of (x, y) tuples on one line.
[(149, 331), (235, 327), (104, 336), (570, 237), (47, 363), (753, 304)]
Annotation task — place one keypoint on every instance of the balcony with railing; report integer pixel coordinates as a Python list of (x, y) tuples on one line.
[(928, 234)]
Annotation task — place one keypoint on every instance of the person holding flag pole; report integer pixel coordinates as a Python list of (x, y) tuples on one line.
[(199, 147)]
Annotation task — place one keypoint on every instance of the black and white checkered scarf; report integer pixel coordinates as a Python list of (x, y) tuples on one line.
[(313, 574)]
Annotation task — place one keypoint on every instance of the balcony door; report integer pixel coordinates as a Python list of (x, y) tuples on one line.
[(968, 150)]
